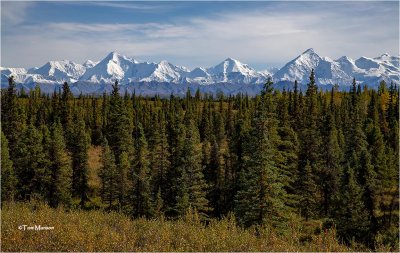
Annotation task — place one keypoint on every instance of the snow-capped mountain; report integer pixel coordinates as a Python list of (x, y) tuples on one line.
[(59, 71), (230, 76), (341, 71), (326, 70), (233, 71)]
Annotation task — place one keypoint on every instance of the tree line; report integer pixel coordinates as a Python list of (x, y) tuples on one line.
[(329, 155)]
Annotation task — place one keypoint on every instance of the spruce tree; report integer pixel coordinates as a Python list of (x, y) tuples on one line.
[(30, 165), (119, 125), (350, 215), (66, 99), (160, 159), (61, 170), (307, 192), (109, 176), (8, 178), (122, 173), (329, 175), (79, 150), (141, 199), (261, 196), (10, 116), (190, 167)]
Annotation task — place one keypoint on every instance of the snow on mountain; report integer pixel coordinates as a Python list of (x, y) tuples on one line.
[(113, 66), (126, 70), (89, 64), (231, 70), (163, 72), (340, 71), (299, 68), (18, 73), (59, 71), (229, 76)]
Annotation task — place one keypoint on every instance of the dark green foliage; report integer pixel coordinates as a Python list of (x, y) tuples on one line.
[(261, 196), (122, 176), (307, 189), (192, 177), (30, 163), (160, 160), (79, 150), (11, 118), (109, 176), (61, 169), (8, 179), (119, 127), (141, 200), (312, 155), (350, 215)]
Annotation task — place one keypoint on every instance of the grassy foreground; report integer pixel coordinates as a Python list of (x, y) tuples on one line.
[(98, 231)]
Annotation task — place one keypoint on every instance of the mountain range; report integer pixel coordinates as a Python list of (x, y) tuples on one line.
[(230, 76)]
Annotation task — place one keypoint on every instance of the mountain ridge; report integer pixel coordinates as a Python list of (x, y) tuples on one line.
[(129, 71)]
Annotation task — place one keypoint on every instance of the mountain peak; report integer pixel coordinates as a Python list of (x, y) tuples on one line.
[(113, 55), (229, 59), (309, 51)]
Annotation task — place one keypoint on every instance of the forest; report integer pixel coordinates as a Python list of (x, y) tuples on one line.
[(260, 163)]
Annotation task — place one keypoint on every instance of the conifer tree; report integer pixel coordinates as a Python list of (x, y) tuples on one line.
[(122, 173), (119, 125), (158, 204), (30, 165), (8, 179), (350, 216), (141, 199), (190, 165), (61, 170), (217, 194), (10, 116), (260, 198), (109, 176), (66, 110), (329, 176), (307, 192), (182, 198), (79, 150), (311, 137), (160, 159), (288, 148)]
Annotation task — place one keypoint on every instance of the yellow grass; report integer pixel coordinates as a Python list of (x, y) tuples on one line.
[(77, 230)]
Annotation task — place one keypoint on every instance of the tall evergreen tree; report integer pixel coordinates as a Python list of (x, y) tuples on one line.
[(109, 176), (141, 200), (10, 116), (260, 198), (307, 192), (119, 126), (8, 179), (30, 165), (160, 159), (61, 170), (190, 167), (79, 150), (350, 213), (329, 176), (122, 173)]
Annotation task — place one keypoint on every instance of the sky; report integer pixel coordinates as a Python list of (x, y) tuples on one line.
[(261, 34)]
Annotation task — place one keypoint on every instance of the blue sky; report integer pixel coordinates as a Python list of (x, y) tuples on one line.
[(262, 34)]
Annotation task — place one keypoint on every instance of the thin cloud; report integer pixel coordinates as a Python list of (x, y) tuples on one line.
[(14, 13), (258, 38)]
